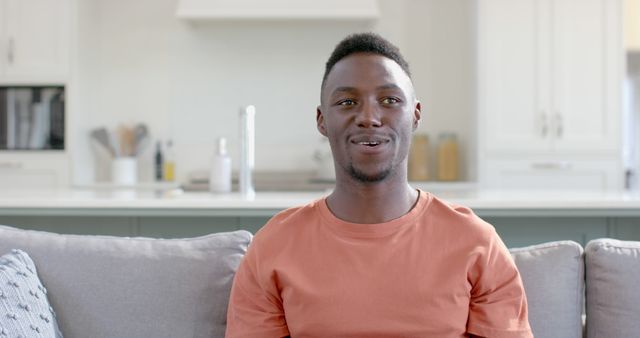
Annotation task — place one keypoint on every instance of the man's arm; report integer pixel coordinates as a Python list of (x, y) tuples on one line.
[(255, 307), (498, 306)]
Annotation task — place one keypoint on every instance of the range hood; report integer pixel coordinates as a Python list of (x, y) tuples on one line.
[(355, 10)]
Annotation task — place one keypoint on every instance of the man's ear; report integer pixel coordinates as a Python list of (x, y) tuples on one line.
[(417, 115), (320, 122)]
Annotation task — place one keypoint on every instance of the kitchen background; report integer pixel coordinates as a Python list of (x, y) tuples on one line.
[(137, 61), (188, 80)]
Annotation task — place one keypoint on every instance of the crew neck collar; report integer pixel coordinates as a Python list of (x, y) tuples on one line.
[(372, 230)]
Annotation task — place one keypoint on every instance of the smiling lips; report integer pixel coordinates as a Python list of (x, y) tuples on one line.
[(369, 143)]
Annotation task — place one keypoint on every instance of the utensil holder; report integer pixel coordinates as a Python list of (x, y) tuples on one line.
[(124, 171)]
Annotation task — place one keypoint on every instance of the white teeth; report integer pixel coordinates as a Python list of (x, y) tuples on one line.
[(372, 143)]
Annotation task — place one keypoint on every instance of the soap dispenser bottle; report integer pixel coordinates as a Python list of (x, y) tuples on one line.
[(220, 177)]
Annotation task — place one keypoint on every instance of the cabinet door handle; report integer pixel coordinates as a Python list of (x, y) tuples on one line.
[(544, 125), (10, 165), (559, 128), (10, 50), (559, 165)]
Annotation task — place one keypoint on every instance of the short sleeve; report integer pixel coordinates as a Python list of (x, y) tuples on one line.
[(498, 306), (255, 307)]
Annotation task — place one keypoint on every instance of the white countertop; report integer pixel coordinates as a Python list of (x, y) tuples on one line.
[(177, 199), (141, 199)]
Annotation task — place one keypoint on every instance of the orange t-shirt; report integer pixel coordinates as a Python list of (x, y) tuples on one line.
[(438, 271)]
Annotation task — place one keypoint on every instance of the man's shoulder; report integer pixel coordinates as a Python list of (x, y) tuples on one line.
[(287, 221), (458, 218)]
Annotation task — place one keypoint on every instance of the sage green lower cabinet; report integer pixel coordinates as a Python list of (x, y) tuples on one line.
[(625, 228), (176, 227), (180, 227), (516, 231), (145, 226), (80, 225)]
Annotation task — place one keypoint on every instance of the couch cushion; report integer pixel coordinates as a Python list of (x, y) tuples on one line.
[(553, 278), (23, 299), (613, 300), (103, 286)]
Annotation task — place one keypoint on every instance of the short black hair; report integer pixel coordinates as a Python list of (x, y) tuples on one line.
[(365, 43)]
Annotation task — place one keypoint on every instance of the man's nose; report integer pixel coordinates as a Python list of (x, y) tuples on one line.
[(368, 116)]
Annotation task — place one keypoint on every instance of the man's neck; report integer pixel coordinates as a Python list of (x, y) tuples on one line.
[(371, 203)]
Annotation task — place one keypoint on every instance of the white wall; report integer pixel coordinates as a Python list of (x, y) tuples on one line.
[(441, 49), (138, 63)]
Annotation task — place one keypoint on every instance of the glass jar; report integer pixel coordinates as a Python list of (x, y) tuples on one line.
[(419, 158), (448, 157)]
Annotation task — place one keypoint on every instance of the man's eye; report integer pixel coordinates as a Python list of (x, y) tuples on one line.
[(347, 102), (390, 100)]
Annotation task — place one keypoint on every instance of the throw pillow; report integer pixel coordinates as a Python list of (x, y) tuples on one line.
[(23, 298)]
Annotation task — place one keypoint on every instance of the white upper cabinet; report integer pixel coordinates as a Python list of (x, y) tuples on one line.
[(349, 10), (510, 67), (550, 76), (34, 41), (587, 75)]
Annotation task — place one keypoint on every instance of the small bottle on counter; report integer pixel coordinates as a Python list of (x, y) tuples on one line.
[(169, 163), (448, 157), (158, 162), (220, 176)]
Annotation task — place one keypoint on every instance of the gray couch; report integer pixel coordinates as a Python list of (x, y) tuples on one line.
[(103, 286)]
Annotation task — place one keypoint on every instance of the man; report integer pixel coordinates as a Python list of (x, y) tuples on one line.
[(376, 258)]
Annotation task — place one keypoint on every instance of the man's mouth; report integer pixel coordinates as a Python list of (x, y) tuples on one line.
[(369, 140), (369, 143)]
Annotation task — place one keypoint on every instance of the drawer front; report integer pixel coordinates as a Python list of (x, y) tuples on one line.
[(553, 174), (33, 169)]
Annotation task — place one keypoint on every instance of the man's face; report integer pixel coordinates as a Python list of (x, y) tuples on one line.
[(368, 111)]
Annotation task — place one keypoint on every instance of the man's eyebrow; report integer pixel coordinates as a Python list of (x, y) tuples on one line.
[(389, 86), (353, 89), (344, 89)]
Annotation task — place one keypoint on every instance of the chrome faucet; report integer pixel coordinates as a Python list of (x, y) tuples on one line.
[(247, 150)]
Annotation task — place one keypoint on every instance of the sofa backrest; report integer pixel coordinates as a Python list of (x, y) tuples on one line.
[(613, 288), (103, 286), (553, 278)]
